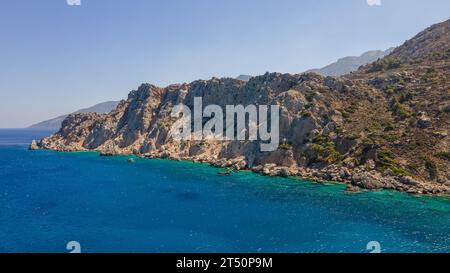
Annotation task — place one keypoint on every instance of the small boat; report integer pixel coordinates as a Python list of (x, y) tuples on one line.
[(224, 173)]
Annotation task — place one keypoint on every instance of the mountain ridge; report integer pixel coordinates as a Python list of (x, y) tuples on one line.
[(55, 123), (350, 64)]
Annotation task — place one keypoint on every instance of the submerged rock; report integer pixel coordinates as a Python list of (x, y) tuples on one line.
[(351, 188)]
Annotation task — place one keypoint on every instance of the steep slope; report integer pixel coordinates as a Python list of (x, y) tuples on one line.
[(350, 64), (414, 81), (55, 123), (384, 126)]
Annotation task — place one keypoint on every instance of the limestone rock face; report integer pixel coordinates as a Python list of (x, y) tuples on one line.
[(141, 124)]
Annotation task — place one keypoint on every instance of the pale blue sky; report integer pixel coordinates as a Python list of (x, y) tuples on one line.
[(56, 58)]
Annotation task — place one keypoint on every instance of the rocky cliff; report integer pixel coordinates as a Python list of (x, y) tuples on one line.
[(385, 126)]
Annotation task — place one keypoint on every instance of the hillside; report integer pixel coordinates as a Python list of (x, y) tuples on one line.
[(384, 126)]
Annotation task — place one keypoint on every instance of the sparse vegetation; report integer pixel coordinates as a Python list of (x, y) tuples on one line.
[(444, 155), (386, 161), (385, 158), (310, 95), (405, 96), (386, 63), (389, 137), (306, 114), (388, 126), (431, 168), (353, 136), (285, 146), (399, 171), (325, 150), (399, 109), (345, 115), (352, 108)]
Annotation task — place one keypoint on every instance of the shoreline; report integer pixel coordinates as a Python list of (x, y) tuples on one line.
[(315, 176)]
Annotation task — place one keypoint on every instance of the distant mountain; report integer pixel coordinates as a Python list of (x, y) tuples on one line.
[(350, 64), (55, 123), (244, 78)]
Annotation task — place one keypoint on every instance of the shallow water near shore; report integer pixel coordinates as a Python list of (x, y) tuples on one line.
[(109, 205)]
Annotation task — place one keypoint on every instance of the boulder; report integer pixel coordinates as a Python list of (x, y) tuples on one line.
[(257, 169), (368, 180), (284, 172), (351, 188), (423, 121), (407, 180)]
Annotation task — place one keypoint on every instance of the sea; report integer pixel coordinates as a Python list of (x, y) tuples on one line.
[(49, 200)]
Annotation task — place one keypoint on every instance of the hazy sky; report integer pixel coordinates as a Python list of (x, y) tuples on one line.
[(56, 58)]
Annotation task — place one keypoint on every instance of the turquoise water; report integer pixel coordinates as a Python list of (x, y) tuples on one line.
[(108, 205)]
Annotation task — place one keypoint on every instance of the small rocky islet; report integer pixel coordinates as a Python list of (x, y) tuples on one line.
[(384, 126)]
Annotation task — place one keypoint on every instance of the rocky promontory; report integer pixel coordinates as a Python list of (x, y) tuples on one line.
[(383, 127)]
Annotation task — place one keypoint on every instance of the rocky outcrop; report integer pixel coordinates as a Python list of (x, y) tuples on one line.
[(34, 145)]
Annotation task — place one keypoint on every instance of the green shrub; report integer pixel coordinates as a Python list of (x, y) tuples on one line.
[(385, 158), (306, 114), (399, 109), (352, 108), (285, 146), (405, 96), (388, 126), (444, 155), (386, 63), (353, 136), (386, 161), (325, 150), (345, 115), (390, 90), (389, 137), (399, 171)]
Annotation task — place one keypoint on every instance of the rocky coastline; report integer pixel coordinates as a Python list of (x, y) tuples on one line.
[(386, 126), (362, 178)]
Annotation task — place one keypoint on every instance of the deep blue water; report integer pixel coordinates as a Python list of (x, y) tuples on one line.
[(108, 205)]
